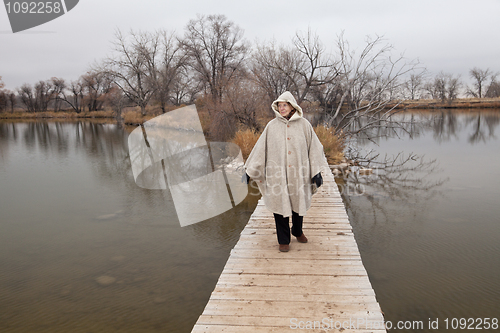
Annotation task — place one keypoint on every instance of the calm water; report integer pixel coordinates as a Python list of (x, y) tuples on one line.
[(71, 213), (428, 230)]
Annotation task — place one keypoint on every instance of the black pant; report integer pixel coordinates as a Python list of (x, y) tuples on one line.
[(283, 227)]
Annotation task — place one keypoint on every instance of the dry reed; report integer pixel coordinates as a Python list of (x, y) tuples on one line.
[(333, 144), (246, 139)]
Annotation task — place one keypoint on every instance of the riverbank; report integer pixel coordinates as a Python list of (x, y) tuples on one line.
[(132, 115), (56, 115), (459, 103)]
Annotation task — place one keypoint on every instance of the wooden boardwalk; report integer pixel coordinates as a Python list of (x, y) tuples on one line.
[(319, 286)]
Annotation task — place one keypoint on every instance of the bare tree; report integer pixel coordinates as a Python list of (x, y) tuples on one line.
[(216, 51), (444, 87), (3, 101), (301, 69), (134, 66), (493, 89), (37, 98), (58, 85), (315, 67), (480, 77), (28, 97), (368, 83), (185, 87), (454, 85), (273, 69), (116, 100), (435, 89), (3, 96), (12, 100), (43, 93), (414, 85), (171, 70), (73, 94), (95, 85)]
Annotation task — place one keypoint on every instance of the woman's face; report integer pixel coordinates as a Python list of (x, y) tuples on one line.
[(284, 108)]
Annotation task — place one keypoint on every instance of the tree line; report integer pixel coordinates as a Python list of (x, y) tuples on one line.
[(213, 64)]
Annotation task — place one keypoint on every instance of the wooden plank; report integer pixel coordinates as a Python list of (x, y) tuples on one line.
[(347, 267), (310, 232), (289, 309), (326, 241), (272, 245), (268, 225), (294, 280), (354, 263), (317, 224), (345, 288), (262, 329), (281, 270), (291, 266), (340, 254), (322, 219), (269, 294), (274, 321)]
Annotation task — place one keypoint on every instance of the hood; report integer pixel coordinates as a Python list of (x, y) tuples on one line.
[(287, 97)]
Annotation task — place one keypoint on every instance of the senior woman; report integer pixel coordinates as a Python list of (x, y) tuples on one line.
[(286, 162)]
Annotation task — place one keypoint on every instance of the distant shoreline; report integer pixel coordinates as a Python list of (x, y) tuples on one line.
[(459, 103), (132, 115)]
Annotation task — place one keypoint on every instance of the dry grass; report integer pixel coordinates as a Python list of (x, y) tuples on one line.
[(134, 117), (246, 139), (333, 145), (131, 115)]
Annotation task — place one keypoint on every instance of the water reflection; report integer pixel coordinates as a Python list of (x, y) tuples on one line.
[(444, 124), (72, 214), (428, 225), (410, 180), (480, 125)]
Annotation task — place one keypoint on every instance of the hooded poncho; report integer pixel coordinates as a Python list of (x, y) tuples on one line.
[(284, 159)]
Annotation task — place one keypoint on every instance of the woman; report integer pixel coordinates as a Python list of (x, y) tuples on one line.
[(285, 162)]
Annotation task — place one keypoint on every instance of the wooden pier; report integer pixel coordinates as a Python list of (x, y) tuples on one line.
[(319, 286)]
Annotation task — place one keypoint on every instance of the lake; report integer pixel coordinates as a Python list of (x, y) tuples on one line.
[(428, 229), (72, 217), (84, 249)]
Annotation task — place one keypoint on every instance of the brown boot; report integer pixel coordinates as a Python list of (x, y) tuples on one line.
[(302, 238), (284, 247)]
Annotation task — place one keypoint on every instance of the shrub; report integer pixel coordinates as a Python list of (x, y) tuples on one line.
[(246, 139), (133, 117), (333, 145)]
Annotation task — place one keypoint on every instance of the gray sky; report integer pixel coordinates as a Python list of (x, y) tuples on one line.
[(448, 35)]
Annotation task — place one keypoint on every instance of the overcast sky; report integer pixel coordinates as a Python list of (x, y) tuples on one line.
[(445, 35)]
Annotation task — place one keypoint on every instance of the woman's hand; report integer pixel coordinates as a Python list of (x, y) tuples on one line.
[(318, 180)]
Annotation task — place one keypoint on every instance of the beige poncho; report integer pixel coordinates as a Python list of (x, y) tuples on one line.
[(284, 159)]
